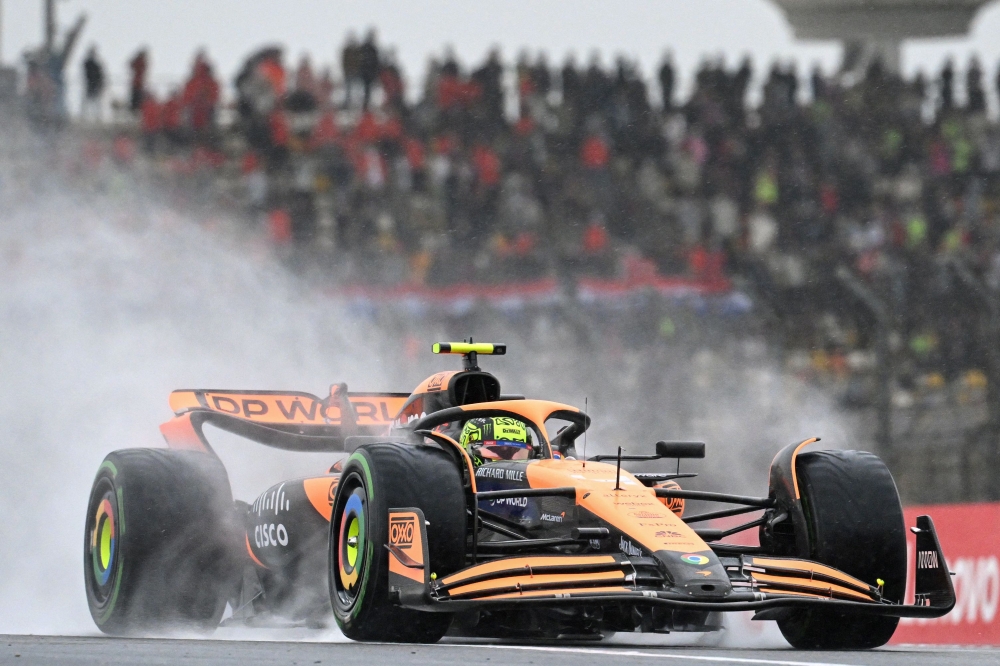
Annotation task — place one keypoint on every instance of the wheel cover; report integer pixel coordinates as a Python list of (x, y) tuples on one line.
[(103, 543), (352, 544)]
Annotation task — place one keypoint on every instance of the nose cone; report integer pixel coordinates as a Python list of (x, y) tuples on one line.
[(699, 575)]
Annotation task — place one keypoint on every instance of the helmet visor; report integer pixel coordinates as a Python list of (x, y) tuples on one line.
[(504, 450)]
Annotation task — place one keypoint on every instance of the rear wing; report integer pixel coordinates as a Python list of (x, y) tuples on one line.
[(289, 420)]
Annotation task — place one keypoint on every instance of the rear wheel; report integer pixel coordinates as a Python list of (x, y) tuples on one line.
[(856, 525), (376, 478), (160, 543)]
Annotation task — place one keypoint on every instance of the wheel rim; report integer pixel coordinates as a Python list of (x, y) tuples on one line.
[(352, 543), (103, 542)]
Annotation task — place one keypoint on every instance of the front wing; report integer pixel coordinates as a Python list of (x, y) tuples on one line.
[(758, 583)]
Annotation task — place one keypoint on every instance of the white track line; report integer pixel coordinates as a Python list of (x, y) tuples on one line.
[(652, 655)]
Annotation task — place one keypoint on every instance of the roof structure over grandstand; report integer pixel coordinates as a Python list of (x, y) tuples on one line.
[(878, 27)]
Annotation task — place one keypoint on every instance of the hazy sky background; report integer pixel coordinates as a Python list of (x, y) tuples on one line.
[(642, 29)]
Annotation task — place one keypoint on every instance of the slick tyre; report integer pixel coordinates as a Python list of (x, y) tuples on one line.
[(161, 542), (376, 478), (856, 525)]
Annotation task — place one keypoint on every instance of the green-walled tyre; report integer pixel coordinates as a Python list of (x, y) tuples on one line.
[(161, 543), (376, 478), (855, 525)]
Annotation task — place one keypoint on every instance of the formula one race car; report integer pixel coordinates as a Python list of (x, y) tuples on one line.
[(415, 535)]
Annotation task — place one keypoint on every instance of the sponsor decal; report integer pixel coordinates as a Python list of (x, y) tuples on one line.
[(644, 514), (694, 558), (401, 532), (269, 535), (510, 501), (503, 474), (374, 410), (927, 559), (553, 518), (629, 548), (669, 534), (704, 573), (272, 501), (624, 480), (436, 382), (595, 544), (675, 504)]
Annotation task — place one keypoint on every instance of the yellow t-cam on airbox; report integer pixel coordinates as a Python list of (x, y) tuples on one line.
[(469, 351), (487, 348)]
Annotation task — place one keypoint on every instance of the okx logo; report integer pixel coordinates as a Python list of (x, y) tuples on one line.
[(401, 531)]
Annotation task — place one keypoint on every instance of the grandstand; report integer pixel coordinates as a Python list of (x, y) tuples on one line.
[(607, 191)]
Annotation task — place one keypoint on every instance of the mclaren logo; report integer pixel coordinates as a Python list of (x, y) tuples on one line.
[(927, 559), (553, 518)]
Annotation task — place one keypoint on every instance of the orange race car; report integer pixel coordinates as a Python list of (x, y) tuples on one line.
[(465, 511)]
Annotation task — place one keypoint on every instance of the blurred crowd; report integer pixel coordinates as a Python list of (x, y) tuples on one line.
[(515, 172)]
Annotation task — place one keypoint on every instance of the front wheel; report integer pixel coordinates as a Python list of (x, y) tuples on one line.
[(855, 525), (376, 478)]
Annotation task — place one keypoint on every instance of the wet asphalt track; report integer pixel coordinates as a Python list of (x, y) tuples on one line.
[(93, 651)]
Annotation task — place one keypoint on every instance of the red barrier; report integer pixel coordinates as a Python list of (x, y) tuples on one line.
[(460, 298), (970, 538)]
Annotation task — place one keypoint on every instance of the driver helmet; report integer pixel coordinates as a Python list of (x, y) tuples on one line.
[(496, 438)]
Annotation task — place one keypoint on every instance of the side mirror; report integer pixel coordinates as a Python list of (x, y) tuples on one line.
[(680, 449)]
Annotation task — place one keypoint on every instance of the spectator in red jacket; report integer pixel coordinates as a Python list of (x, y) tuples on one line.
[(201, 95)]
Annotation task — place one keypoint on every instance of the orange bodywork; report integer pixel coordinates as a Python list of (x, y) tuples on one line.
[(548, 581), (789, 567), (810, 586), (320, 491), (536, 411), (439, 381), (250, 552), (520, 565), (635, 509), (795, 476), (180, 433)]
